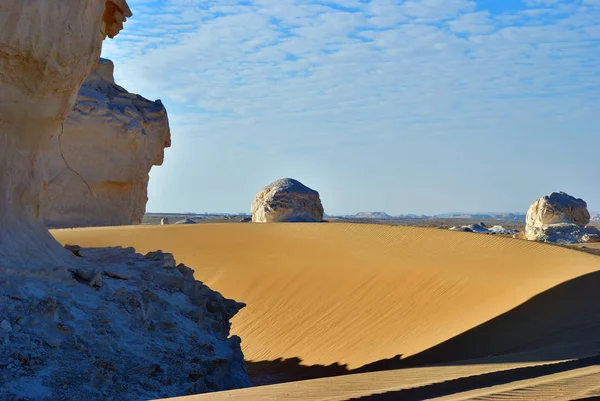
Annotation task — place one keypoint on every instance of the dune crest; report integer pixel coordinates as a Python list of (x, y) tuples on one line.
[(350, 294)]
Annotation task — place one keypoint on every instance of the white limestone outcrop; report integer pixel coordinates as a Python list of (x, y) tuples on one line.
[(86, 324), (559, 218), (96, 167), (287, 200), (119, 325), (47, 48)]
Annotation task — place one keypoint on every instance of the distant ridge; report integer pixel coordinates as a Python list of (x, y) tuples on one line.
[(454, 215), (372, 215)]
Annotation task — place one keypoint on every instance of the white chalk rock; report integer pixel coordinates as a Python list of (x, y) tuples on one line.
[(96, 167), (47, 48), (133, 328), (97, 324), (287, 200), (557, 218)]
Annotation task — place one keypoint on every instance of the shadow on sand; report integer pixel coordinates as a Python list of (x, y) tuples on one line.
[(286, 370), (559, 324)]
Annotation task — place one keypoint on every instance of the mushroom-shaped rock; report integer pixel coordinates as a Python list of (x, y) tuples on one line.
[(97, 165), (558, 207), (558, 218), (47, 48), (287, 200)]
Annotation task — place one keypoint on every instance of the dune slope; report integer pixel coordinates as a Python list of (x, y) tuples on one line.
[(561, 381), (357, 295)]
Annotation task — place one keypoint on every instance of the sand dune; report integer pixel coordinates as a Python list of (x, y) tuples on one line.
[(356, 386), (362, 295), (576, 384), (518, 382)]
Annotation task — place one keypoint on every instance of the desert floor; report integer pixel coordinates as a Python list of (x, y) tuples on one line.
[(491, 317)]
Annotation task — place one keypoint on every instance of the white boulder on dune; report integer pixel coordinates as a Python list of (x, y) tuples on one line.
[(287, 200), (96, 167), (559, 218), (87, 324)]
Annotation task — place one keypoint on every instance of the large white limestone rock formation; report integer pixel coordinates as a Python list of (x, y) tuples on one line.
[(96, 167), (119, 326), (287, 200), (87, 324), (47, 48), (559, 218)]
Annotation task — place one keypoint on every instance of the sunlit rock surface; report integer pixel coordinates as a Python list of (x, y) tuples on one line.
[(287, 200), (559, 218), (97, 165)]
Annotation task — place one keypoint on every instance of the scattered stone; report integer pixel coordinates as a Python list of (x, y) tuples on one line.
[(502, 230), (462, 229), (75, 249), (5, 325), (167, 259), (85, 274), (96, 281), (117, 275), (186, 221)]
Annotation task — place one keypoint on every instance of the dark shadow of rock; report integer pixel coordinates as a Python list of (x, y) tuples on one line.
[(288, 370), (562, 323), (463, 384)]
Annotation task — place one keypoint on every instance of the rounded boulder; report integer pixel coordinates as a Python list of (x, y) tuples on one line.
[(287, 200)]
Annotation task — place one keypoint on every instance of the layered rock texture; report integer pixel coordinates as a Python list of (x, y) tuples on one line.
[(47, 48), (119, 325), (87, 324), (287, 200), (559, 218), (96, 167)]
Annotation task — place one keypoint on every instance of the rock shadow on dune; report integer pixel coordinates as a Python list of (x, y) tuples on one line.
[(289, 370), (562, 323), (469, 383)]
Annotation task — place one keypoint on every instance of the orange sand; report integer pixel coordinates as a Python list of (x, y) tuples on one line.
[(360, 295)]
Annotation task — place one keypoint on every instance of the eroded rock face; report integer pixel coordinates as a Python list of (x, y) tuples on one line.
[(75, 323), (559, 218), (287, 200), (47, 48), (119, 325), (96, 167)]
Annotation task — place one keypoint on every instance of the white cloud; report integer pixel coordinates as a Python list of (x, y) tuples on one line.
[(278, 76), (473, 23)]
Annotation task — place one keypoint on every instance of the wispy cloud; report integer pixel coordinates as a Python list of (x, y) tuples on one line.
[(289, 83)]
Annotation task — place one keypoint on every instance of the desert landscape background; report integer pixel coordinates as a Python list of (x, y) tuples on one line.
[(335, 299), (287, 301)]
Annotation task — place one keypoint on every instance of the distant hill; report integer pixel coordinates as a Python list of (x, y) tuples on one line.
[(372, 215), (482, 216)]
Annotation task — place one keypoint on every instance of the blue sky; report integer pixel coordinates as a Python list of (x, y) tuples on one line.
[(416, 106)]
